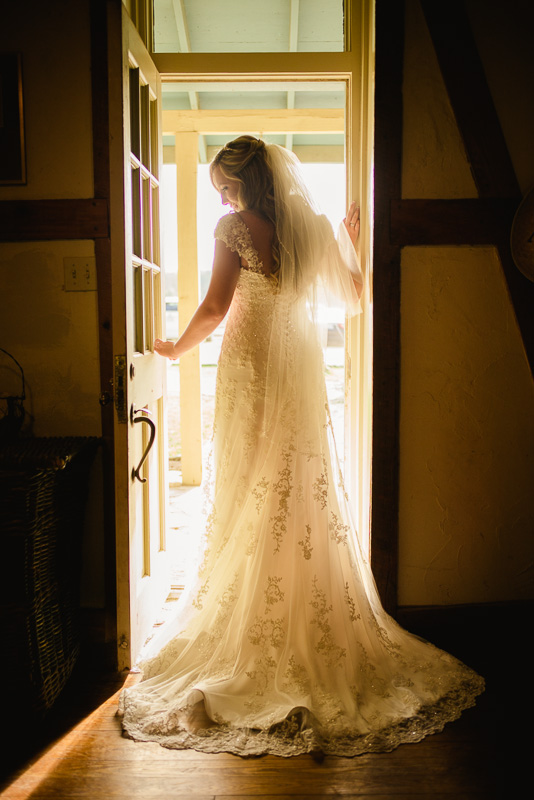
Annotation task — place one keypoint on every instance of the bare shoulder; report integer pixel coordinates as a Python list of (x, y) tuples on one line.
[(255, 223)]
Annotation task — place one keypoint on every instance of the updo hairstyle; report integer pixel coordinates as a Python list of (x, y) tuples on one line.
[(245, 160)]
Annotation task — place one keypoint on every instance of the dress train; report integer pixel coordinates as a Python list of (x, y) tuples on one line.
[(281, 637)]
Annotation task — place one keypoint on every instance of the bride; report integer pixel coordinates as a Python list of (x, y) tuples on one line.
[(280, 644)]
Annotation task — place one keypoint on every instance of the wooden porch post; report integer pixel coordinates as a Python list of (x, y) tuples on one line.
[(186, 154)]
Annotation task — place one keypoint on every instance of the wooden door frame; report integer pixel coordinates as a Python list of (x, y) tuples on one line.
[(105, 31), (106, 68), (388, 123), (106, 20), (187, 127), (354, 68)]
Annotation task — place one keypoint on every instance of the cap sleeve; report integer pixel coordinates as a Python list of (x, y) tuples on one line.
[(233, 231), (226, 231)]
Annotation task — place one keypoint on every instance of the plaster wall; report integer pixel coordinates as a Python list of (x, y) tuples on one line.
[(467, 396), (53, 333), (54, 40)]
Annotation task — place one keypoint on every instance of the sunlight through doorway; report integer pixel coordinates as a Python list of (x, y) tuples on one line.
[(327, 184)]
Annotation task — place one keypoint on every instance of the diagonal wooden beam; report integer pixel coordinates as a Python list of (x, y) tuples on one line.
[(484, 141), (470, 97)]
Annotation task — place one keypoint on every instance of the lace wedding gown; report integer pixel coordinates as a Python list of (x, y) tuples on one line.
[(282, 635)]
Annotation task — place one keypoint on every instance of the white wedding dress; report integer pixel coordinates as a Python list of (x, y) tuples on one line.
[(282, 634)]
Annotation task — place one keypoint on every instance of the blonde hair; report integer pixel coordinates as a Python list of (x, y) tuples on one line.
[(245, 160)]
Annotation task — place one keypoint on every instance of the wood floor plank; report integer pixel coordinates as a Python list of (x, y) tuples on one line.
[(89, 758), (149, 779), (373, 796)]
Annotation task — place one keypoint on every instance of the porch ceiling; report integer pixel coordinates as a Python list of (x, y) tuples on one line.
[(217, 26)]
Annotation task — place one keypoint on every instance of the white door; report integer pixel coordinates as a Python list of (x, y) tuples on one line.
[(138, 297)]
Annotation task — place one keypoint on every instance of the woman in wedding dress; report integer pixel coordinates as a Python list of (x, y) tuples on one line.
[(281, 639)]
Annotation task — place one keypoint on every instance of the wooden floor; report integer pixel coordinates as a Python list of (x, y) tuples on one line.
[(80, 753)]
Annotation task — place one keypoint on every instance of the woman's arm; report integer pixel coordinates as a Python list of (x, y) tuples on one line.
[(212, 309)]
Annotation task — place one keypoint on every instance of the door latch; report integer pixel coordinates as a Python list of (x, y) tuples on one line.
[(120, 388)]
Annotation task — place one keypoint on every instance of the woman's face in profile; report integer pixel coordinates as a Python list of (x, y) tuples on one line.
[(228, 189)]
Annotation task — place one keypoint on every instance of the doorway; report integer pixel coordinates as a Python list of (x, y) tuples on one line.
[(191, 387), (327, 182), (300, 61)]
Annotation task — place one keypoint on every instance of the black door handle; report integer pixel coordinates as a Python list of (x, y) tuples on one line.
[(136, 471)]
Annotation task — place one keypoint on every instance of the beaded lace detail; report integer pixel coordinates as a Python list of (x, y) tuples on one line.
[(281, 633), (233, 231)]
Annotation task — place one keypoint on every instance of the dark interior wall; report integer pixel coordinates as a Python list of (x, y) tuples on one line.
[(467, 396), (52, 332)]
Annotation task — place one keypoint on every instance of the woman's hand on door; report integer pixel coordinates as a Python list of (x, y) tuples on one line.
[(165, 349)]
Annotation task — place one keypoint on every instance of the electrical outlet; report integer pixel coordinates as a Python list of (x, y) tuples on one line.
[(80, 274)]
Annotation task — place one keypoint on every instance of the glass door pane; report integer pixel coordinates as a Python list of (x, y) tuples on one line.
[(144, 131)]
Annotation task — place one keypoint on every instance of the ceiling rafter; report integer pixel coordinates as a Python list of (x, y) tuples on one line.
[(293, 47), (181, 25), (185, 47), (183, 36)]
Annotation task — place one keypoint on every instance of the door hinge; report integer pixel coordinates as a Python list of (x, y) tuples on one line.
[(120, 388)]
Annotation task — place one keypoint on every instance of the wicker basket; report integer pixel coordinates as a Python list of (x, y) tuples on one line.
[(43, 492), (12, 411)]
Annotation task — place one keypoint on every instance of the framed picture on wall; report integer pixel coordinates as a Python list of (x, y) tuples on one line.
[(12, 148)]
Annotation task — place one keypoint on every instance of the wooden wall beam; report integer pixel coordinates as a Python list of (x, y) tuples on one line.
[(100, 98), (40, 220), (450, 222), (244, 66), (386, 301), (486, 148), (100, 101), (266, 120)]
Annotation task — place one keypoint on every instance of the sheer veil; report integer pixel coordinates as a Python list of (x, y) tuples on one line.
[(315, 270), (312, 263)]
